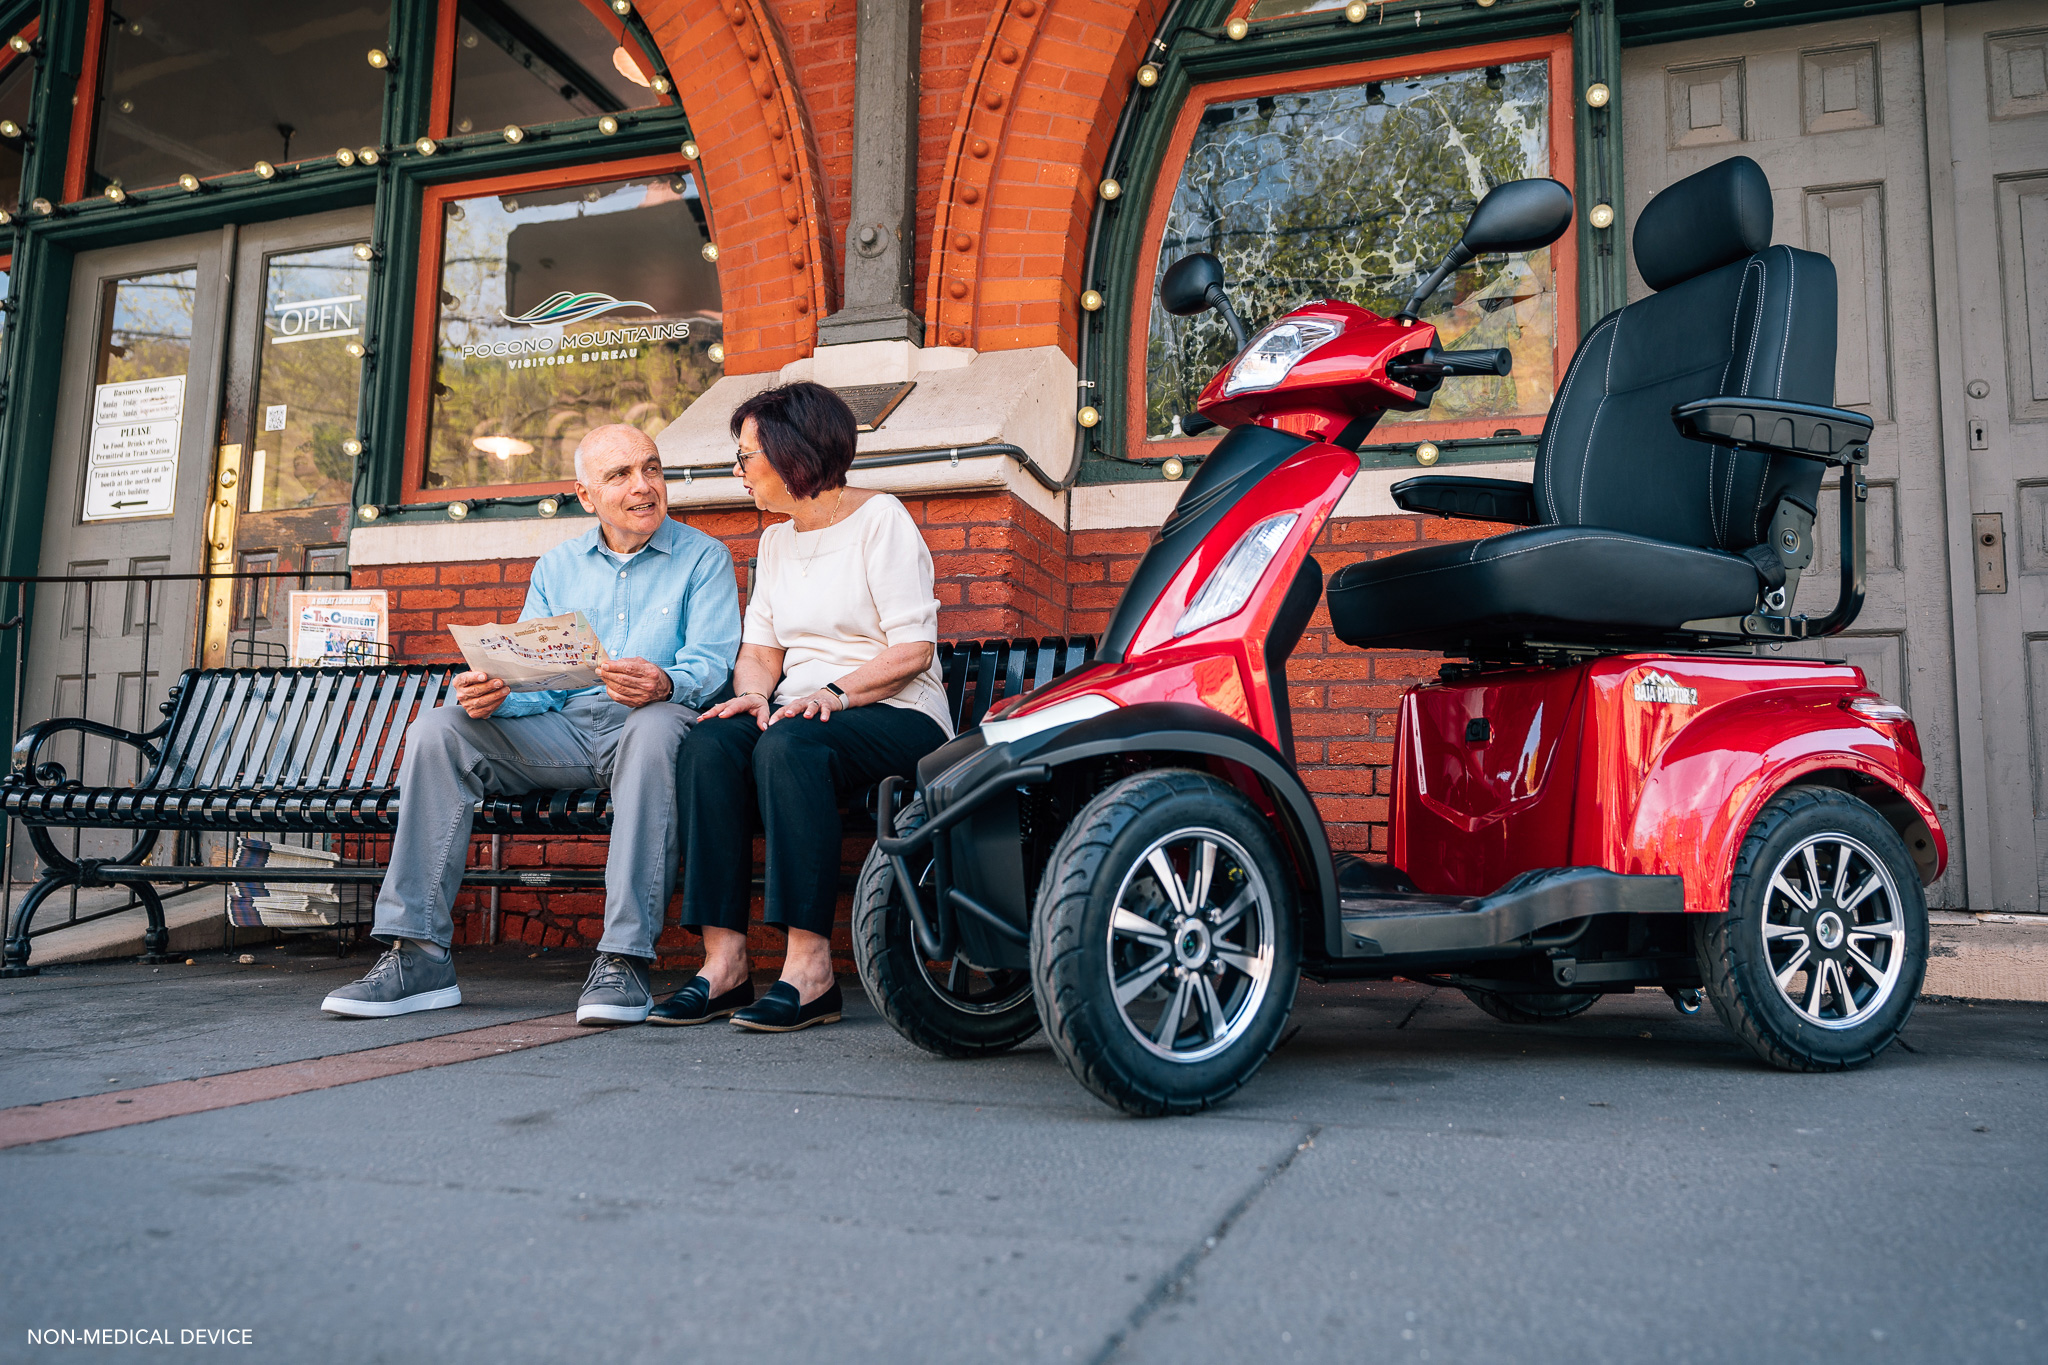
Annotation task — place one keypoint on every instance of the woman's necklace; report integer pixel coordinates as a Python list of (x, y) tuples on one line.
[(804, 565)]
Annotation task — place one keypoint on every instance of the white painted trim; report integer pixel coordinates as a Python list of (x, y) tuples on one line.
[(460, 542)]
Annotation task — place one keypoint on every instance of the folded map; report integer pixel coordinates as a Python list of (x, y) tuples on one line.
[(549, 654)]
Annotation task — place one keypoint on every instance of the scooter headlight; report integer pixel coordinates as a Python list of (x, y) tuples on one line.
[(1275, 352), (1231, 585)]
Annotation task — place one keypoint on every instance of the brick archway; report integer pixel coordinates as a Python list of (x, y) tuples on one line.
[(760, 172), (1024, 170)]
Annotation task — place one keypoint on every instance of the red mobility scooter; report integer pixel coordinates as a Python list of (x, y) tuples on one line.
[(1607, 790)]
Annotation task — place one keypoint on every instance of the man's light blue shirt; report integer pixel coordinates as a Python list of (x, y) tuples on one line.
[(675, 604)]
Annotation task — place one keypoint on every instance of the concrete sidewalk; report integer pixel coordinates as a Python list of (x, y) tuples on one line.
[(1407, 1176)]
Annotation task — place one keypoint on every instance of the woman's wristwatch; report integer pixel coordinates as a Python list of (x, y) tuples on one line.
[(836, 690)]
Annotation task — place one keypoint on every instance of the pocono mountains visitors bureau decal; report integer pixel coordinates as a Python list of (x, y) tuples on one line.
[(614, 343), (1658, 689)]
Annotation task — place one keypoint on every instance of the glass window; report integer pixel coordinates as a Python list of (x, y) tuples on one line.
[(1355, 193), (147, 327), (307, 383), (214, 86), (537, 61), (17, 88), (564, 309)]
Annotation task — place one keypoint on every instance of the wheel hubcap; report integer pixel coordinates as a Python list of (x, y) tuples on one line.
[(1191, 945), (1834, 932)]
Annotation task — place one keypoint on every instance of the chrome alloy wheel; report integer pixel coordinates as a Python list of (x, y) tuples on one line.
[(975, 990), (1191, 945), (960, 983), (1834, 931)]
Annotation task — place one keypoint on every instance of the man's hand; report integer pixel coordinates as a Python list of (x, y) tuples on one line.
[(480, 694), (634, 682)]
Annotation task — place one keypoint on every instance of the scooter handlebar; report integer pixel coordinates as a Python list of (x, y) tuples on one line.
[(1423, 369)]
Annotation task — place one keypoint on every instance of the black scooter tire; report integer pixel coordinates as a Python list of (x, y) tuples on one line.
[(1734, 952), (886, 954), (1071, 953)]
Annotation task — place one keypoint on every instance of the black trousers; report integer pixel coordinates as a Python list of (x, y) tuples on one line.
[(730, 774)]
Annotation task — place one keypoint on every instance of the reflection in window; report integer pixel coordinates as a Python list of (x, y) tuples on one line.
[(214, 86), (563, 310), (17, 88), (1355, 193), (307, 382), (147, 327), (538, 61)]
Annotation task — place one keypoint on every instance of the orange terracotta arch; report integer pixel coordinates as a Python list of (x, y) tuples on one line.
[(760, 171), (1023, 171)]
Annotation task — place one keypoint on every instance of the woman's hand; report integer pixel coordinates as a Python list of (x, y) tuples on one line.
[(746, 703), (818, 706)]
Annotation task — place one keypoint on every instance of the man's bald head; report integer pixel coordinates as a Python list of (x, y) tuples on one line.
[(606, 444)]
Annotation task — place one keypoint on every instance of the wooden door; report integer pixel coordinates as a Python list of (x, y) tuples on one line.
[(1834, 114), (1997, 89)]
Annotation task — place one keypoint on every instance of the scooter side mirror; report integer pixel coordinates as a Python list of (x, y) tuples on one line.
[(1185, 289), (1521, 215)]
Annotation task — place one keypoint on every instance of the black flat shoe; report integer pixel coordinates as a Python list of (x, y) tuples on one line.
[(693, 1004), (780, 1010)]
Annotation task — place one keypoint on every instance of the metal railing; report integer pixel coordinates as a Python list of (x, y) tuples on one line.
[(108, 648)]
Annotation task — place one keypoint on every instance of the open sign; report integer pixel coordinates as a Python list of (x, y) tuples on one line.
[(313, 319)]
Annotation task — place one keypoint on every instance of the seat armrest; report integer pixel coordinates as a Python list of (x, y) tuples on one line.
[(1808, 431), (1446, 495)]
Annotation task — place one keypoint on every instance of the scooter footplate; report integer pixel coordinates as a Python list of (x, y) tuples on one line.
[(1384, 926)]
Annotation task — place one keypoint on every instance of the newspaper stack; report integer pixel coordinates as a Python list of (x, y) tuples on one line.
[(295, 905)]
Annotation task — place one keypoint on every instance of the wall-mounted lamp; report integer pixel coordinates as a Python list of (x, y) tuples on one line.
[(265, 171), (344, 157), (1601, 216), (716, 351), (691, 151), (365, 251), (607, 125), (115, 194), (709, 251), (1597, 95), (1148, 75), (1091, 300), (378, 58), (1087, 417), (1237, 28), (426, 146), (189, 183), (514, 134)]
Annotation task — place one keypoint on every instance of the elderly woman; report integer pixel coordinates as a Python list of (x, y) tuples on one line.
[(837, 686)]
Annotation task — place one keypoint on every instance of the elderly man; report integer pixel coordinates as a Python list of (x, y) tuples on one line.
[(654, 590)]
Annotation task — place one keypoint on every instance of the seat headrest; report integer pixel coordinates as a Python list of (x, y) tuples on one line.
[(1703, 222)]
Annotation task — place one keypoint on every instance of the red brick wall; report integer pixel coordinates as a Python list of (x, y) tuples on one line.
[(1001, 570)]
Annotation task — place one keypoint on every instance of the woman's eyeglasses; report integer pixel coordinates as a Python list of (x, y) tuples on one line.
[(740, 458)]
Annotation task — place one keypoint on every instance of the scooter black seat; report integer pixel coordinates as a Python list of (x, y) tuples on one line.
[(1575, 583), (1636, 529)]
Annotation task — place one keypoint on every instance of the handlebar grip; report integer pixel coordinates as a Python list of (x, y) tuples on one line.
[(1494, 362)]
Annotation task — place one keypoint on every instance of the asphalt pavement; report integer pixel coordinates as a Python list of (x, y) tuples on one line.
[(1407, 1180)]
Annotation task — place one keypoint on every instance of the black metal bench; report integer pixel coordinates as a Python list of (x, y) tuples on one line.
[(316, 751)]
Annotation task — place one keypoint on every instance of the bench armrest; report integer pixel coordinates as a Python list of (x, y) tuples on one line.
[(1833, 436), (25, 770), (1447, 495)]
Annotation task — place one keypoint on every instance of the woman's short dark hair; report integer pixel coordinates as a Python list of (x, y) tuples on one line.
[(807, 432)]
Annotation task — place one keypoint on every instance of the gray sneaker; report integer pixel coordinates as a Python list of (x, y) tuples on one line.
[(618, 991), (405, 979)]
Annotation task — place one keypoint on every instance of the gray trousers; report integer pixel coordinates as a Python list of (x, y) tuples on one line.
[(452, 761)]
